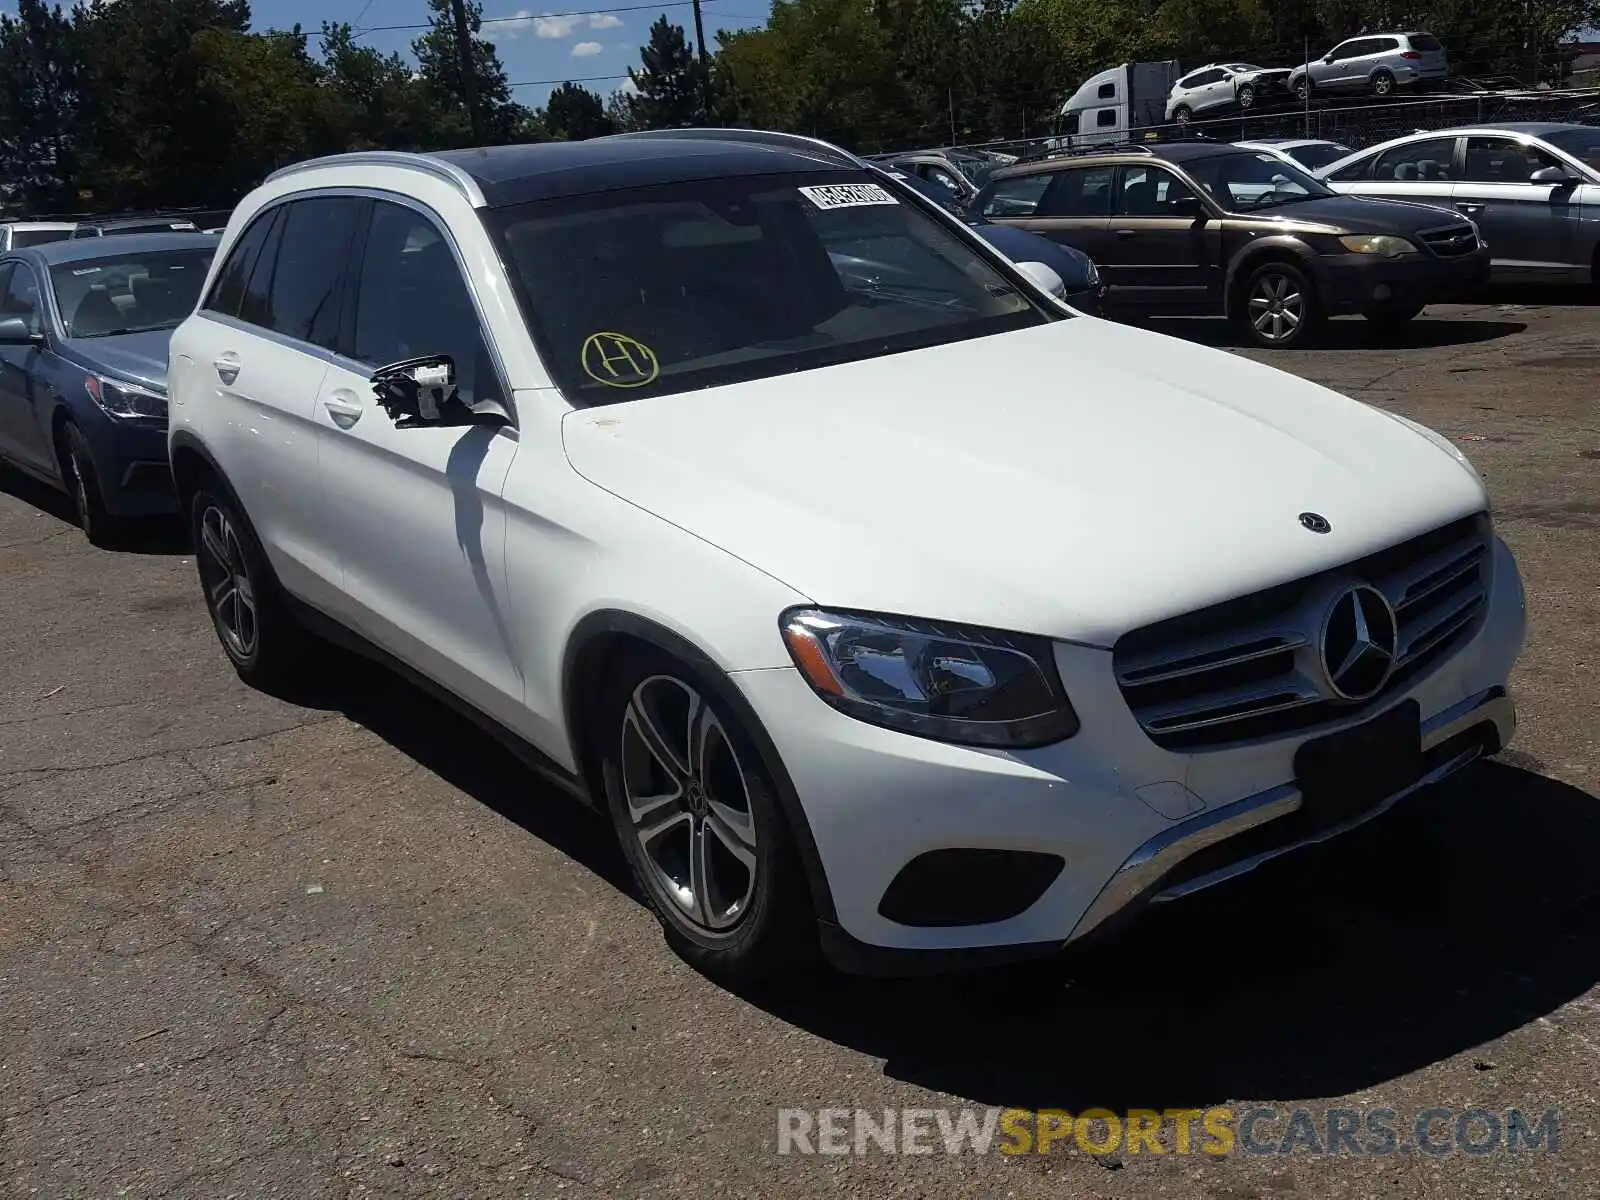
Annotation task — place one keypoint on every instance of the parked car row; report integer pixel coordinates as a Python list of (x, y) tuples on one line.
[(16, 234), (769, 508), (1246, 230)]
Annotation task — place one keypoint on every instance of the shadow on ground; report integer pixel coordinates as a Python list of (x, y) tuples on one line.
[(1447, 924), (155, 536), (1352, 333)]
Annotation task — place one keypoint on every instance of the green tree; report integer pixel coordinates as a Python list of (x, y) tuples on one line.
[(671, 87), (439, 63), (41, 79), (574, 113), (384, 105)]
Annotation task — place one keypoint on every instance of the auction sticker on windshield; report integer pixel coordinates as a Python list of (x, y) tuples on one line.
[(846, 195)]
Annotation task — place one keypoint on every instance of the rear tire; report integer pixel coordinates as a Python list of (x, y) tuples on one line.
[(266, 645), (699, 822), (83, 485)]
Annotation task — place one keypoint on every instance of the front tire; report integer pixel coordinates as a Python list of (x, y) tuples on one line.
[(1302, 89), (1382, 83), (83, 485), (1182, 114), (700, 824), (266, 645), (1247, 98), (1277, 306)]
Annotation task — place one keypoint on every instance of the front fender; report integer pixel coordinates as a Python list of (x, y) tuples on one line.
[(1274, 246)]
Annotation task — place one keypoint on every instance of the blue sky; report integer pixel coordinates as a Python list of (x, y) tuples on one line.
[(538, 42)]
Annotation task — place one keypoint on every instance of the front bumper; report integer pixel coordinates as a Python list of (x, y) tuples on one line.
[(1124, 816), (1353, 283), (130, 458)]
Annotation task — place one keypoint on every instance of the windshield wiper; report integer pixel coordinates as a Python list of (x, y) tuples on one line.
[(129, 329)]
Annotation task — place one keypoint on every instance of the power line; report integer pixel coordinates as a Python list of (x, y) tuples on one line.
[(530, 18), (567, 79)]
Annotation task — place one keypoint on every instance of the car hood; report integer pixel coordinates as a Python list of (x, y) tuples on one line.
[(1364, 214), (140, 357), (1268, 73), (1076, 480)]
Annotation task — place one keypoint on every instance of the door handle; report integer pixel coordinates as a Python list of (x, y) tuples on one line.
[(227, 364), (1469, 209), (1125, 234), (343, 407)]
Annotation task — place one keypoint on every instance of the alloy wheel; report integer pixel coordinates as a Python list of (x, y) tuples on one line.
[(1276, 307), (688, 802), (228, 586), (1382, 85)]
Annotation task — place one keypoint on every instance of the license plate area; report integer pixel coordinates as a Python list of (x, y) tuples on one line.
[(1343, 775)]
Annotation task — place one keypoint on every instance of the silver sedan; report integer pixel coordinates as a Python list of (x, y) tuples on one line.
[(1532, 188)]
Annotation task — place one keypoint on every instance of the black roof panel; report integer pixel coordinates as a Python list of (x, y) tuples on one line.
[(552, 170)]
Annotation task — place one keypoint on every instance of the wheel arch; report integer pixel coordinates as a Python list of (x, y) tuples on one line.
[(1282, 248), (593, 642)]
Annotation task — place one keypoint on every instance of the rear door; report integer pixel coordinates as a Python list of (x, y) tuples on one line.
[(24, 436), (1533, 229), (1156, 256)]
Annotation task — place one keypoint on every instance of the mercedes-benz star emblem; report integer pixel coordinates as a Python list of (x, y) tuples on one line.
[(1315, 522), (1359, 643)]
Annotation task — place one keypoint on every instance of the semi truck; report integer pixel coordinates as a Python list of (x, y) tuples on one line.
[(1112, 104)]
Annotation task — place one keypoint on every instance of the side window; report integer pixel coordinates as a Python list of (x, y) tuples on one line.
[(1208, 77), (1345, 50), (1417, 162), (1149, 192), (255, 305), (1016, 197), (1191, 81), (228, 291), (1381, 45), (412, 300), (1083, 192), (313, 248), (1360, 169), (1503, 160), (1108, 91), (1106, 116), (21, 297)]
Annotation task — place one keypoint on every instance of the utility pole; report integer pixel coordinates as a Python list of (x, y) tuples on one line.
[(705, 67), (468, 68)]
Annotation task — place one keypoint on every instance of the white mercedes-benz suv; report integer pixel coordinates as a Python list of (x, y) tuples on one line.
[(882, 602)]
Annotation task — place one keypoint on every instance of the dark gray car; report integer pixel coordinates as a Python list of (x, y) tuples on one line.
[(1533, 189), (84, 327)]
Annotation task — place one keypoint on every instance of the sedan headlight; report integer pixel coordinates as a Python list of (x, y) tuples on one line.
[(1381, 244), (119, 398), (957, 684), (1091, 274)]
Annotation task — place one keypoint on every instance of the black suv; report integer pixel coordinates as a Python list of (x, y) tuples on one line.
[(1204, 227)]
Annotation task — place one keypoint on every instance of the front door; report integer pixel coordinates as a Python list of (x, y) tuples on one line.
[(1421, 171), (24, 436), (1533, 229), (419, 520), (1161, 252)]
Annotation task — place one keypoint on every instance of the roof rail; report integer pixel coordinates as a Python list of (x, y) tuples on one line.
[(754, 137), (426, 163), (1077, 151)]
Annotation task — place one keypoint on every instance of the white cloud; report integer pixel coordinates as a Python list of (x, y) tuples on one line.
[(557, 27), (604, 21), (629, 87), (586, 49)]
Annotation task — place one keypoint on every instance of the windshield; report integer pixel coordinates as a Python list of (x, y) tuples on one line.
[(35, 237), (1582, 143), (1247, 182), (661, 289), (1314, 158), (978, 168), (128, 293)]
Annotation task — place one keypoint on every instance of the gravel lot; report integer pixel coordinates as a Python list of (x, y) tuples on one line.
[(341, 945)]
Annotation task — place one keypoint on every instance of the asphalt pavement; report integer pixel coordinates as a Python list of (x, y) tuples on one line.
[(340, 944)]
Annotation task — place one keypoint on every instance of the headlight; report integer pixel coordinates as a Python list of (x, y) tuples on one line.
[(1091, 275), (972, 686), (118, 398), (1381, 244)]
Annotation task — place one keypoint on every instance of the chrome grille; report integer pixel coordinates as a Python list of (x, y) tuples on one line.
[(1251, 668), (1450, 241)]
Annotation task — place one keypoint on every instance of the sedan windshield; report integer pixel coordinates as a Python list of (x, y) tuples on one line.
[(128, 293), (1582, 143), (1247, 182), (666, 288)]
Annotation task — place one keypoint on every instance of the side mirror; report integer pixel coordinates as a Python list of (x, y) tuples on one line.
[(1556, 175), (1044, 278), (422, 392), (1187, 206), (14, 331)]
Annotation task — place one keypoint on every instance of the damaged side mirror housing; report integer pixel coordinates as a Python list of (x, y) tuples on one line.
[(424, 392)]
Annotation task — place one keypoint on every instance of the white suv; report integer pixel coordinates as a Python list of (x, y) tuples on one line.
[(870, 592)]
